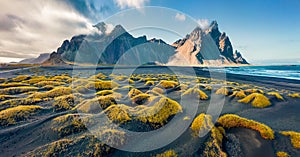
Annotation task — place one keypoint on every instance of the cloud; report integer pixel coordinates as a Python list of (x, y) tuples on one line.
[(203, 23), (28, 28), (130, 3), (180, 17)]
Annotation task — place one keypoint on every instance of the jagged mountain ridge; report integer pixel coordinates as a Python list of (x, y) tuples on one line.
[(117, 46), (206, 46)]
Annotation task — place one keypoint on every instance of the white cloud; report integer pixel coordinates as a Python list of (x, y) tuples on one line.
[(180, 17), (31, 27), (130, 3), (203, 23)]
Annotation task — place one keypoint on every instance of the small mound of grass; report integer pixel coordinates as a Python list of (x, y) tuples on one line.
[(118, 113), (167, 84), (56, 92), (149, 83), (142, 99), (102, 85), (238, 94), (259, 100), (6, 97), (214, 145), (85, 145), (276, 94), (67, 125), (105, 92), (195, 92), (232, 121), (21, 78), (17, 90), (168, 153), (13, 115), (157, 90), (294, 136), (2, 80), (35, 79), (282, 154), (66, 102), (19, 101), (222, 91), (294, 95), (53, 83), (254, 90), (134, 92), (13, 84), (201, 124), (96, 105)]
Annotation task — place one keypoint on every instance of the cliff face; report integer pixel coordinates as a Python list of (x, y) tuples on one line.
[(117, 46), (208, 47)]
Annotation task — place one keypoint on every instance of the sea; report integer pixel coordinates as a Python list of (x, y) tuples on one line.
[(278, 71)]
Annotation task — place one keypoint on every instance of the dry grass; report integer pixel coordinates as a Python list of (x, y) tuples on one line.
[(259, 100), (67, 125), (45, 83), (168, 153), (13, 115), (254, 90), (222, 91), (149, 83), (294, 136), (134, 92), (201, 124), (142, 99), (19, 101), (294, 95), (276, 94), (56, 92), (6, 97), (105, 92), (214, 145), (282, 154), (238, 94), (17, 90), (232, 121), (13, 84), (102, 85), (195, 92), (96, 105), (21, 78), (66, 102), (167, 84)]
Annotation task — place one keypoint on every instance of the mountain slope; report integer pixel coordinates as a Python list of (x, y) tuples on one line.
[(40, 59), (208, 46), (117, 46)]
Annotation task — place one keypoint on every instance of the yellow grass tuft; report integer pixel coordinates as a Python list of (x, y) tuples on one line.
[(168, 153), (118, 113), (214, 145), (67, 125), (195, 92), (254, 90), (149, 83), (142, 99), (6, 97), (21, 78), (222, 91), (65, 102), (13, 84), (17, 90), (13, 115), (232, 121), (167, 84), (134, 92), (295, 138), (157, 90), (56, 92), (102, 85), (201, 124), (259, 100), (104, 92), (294, 95), (96, 105), (276, 94), (282, 154), (35, 79), (53, 83), (238, 94)]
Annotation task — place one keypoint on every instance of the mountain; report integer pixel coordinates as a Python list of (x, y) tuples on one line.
[(116, 46), (206, 46), (40, 59), (113, 47)]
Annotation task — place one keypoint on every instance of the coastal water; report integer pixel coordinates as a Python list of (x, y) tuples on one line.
[(278, 71)]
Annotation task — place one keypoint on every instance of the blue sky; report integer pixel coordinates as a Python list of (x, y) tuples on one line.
[(260, 29)]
